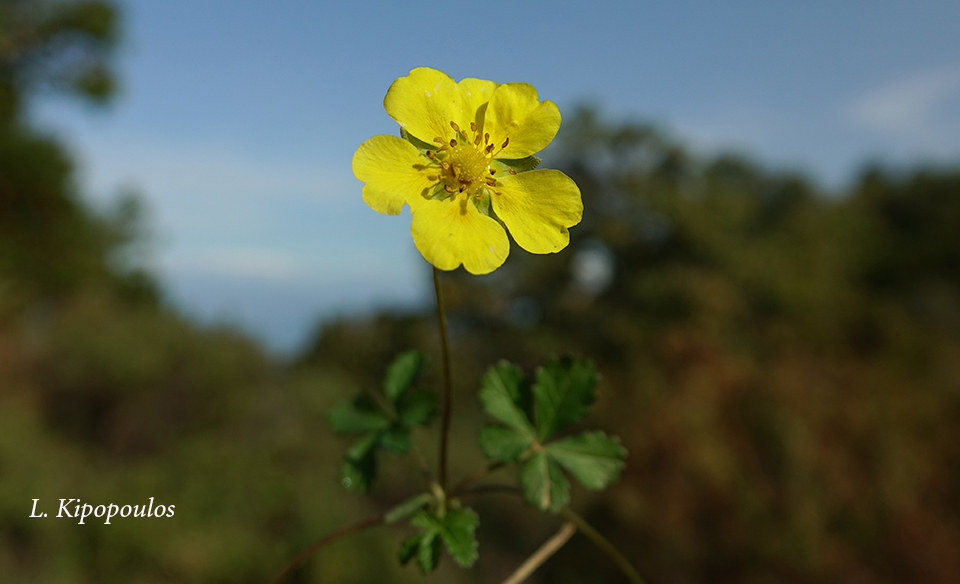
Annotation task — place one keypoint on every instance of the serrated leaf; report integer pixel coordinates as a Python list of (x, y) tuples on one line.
[(408, 508), (416, 407), (563, 393), (396, 439), (402, 372), (358, 415), (428, 556), (359, 467), (409, 548), (503, 444), (457, 530), (504, 395), (543, 483), (594, 458)]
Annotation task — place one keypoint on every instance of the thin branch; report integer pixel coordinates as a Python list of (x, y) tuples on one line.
[(328, 539), (476, 476), (446, 407), (604, 545), (542, 554)]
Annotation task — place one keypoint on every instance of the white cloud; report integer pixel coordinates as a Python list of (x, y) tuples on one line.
[(269, 264), (909, 107)]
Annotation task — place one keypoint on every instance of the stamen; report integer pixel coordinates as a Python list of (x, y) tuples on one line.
[(473, 126), (493, 171), (463, 188), (476, 140), (486, 137), (490, 181), (511, 171), (448, 188), (488, 149), (455, 127), (438, 140), (505, 142), (453, 143)]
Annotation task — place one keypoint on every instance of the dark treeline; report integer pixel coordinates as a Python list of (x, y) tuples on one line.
[(782, 364)]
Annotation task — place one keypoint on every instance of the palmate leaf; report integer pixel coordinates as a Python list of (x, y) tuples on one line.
[(543, 483), (383, 423), (593, 457), (402, 372), (505, 396), (455, 529), (562, 394), (503, 444)]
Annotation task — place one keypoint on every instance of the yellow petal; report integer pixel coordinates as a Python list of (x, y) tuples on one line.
[(537, 207), (475, 93), (394, 172), (424, 103), (451, 232), (516, 112)]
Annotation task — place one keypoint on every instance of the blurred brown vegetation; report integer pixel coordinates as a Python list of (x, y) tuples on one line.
[(782, 363)]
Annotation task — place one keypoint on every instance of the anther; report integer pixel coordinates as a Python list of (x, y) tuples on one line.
[(486, 137), (473, 126), (438, 140), (463, 188), (505, 142), (488, 149), (455, 127), (453, 143), (511, 171), (493, 171), (448, 188), (476, 140), (490, 181)]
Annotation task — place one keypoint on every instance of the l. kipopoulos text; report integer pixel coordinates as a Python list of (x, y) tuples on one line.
[(81, 511)]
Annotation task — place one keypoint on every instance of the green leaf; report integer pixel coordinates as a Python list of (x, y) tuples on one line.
[(408, 508), (429, 554), (416, 407), (456, 529), (594, 458), (409, 548), (505, 396), (543, 483), (402, 372), (396, 439), (359, 467), (503, 444), (359, 415), (563, 392)]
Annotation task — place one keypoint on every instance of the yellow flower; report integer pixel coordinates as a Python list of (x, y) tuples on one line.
[(464, 166)]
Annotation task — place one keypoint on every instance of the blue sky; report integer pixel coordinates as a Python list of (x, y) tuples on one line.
[(237, 119)]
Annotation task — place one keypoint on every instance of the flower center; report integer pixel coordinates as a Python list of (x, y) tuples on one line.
[(467, 165), (465, 162)]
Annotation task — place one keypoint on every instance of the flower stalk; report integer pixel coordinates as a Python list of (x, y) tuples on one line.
[(446, 406)]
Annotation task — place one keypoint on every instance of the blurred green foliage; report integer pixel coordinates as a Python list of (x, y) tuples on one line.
[(782, 363)]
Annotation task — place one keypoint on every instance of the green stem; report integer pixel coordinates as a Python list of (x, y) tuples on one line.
[(604, 545), (476, 476), (447, 398), (326, 540)]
